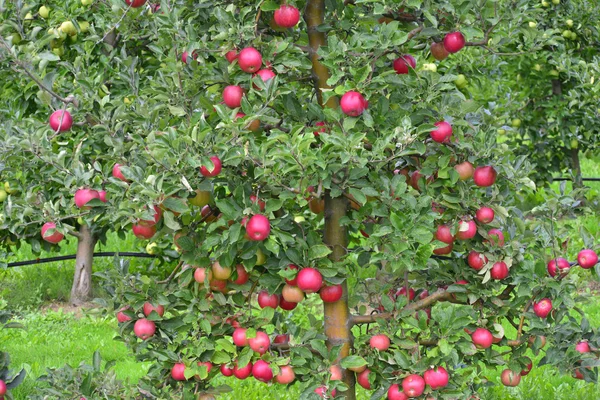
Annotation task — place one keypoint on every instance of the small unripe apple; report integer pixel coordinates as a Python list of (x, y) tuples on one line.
[(202, 198), (532, 24), (516, 123), (461, 81), (429, 67), (69, 28), (220, 272), (152, 248), (44, 12)]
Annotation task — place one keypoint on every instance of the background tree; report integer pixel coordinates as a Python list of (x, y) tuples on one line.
[(357, 197)]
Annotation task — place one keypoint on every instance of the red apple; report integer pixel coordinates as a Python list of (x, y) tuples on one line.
[(144, 329), (363, 379), (453, 42), (226, 371), (256, 200), (309, 280), (239, 337), (466, 230), (267, 300), (380, 342), (121, 316), (143, 232), (282, 339), (336, 373), (402, 63), (61, 126), (583, 347), (322, 130), (558, 266), (402, 292), (293, 281), (484, 176), (261, 370), (178, 372), (83, 196), (438, 51), (54, 237), (218, 285), (587, 258), (266, 75), (543, 307), (496, 237), (394, 393), (437, 377), (216, 169), (208, 366), (286, 305), (242, 275), (3, 388), (443, 132), (286, 375), (116, 172), (465, 170), (331, 293), (476, 260), (443, 250), (353, 104), (443, 234), (149, 307), (232, 96), (242, 373), (154, 221), (250, 60), (202, 274), (527, 369), (578, 374), (102, 195), (286, 16), (510, 378), (499, 271), (220, 272), (413, 385), (260, 343), (322, 391), (258, 227), (184, 56), (485, 215), (135, 3), (292, 294), (482, 338), (231, 55)]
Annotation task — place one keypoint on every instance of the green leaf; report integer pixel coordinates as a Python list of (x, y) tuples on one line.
[(318, 251), (352, 362)]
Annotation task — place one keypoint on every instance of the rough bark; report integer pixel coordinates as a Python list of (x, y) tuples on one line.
[(82, 281)]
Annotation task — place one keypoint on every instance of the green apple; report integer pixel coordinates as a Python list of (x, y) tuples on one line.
[(554, 72), (299, 218), (570, 23), (28, 17), (15, 38), (537, 67), (7, 188), (429, 67), (532, 24), (3, 195), (556, 2), (516, 123), (59, 51), (44, 12), (566, 33), (574, 143), (84, 26), (152, 248), (202, 197), (501, 132), (87, 2), (461, 81), (69, 28), (72, 39), (573, 36), (260, 257), (80, 221), (545, 3)]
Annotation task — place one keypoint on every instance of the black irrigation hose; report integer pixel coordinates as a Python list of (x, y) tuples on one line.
[(571, 179), (72, 257)]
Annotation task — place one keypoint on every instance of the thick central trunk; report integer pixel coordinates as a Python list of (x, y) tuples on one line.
[(82, 281), (337, 315)]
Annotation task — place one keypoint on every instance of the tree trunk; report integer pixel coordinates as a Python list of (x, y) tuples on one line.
[(82, 282), (337, 315), (578, 181)]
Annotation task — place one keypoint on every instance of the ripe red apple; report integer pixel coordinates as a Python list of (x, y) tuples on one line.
[(144, 329), (363, 379), (476, 260), (453, 42), (148, 308), (220, 272), (587, 258), (465, 170), (282, 339), (413, 385), (286, 305), (542, 340), (286, 16), (527, 369), (3, 388), (286, 375), (154, 221), (258, 227), (239, 337), (309, 280), (510, 378), (322, 130), (226, 371), (499, 271), (583, 347), (260, 343), (208, 366), (242, 373), (496, 237), (331, 293), (143, 232), (394, 393), (402, 292), (216, 169), (558, 266), (466, 230), (443, 250), (242, 275), (442, 133), (322, 391), (485, 215), (437, 377), (184, 56), (380, 342), (83, 196), (231, 55), (438, 51), (402, 63), (218, 285), (578, 374), (116, 172), (336, 372), (543, 307), (121, 316), (482, 338), (293, 281), (135, 3), (353, 103), (261, 371), (250, 60), (267, 300), (484, 176), (55, 121), (266, 75), (102, 195), (293, 294), (201, 274), (178, 372), (256, 200), (232, 96), (53, 238), (443, 234)]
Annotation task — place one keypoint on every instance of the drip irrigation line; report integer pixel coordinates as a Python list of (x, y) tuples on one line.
[(72, 257), (572, 179)]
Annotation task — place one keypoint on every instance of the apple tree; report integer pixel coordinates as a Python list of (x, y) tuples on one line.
[(322, 147)]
